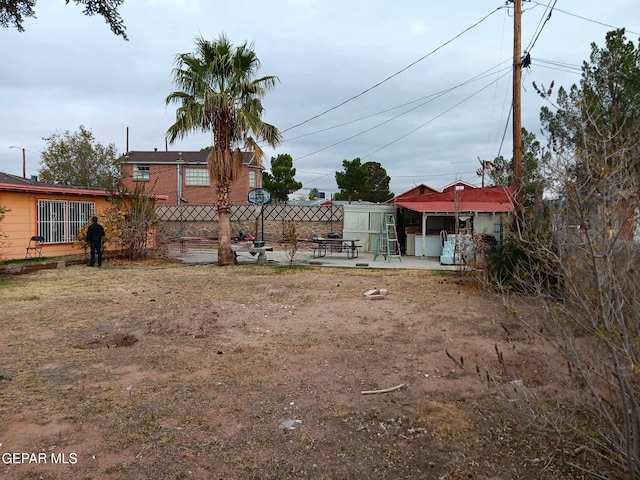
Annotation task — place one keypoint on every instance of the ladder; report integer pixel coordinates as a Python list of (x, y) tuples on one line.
[(387, 243)]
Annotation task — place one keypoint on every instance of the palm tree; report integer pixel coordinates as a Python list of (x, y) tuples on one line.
[(220, 94)]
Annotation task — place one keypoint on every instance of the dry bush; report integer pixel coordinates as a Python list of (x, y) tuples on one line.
[(3, 236), (583, 272)]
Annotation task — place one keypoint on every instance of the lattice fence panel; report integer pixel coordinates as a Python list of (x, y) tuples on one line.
[(289, 213), (187, 213), (244, 212)]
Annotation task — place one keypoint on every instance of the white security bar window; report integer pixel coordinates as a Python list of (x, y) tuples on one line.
[(141, 172), (252, 179), (79, 214), (196, 176), (60, 220)]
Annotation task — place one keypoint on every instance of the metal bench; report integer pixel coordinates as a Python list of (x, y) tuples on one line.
[(261, 251), (351, 249), (319, 250)]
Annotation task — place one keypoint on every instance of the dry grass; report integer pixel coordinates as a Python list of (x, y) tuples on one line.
[(223, 355)]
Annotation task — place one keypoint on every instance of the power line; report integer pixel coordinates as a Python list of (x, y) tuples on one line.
[(395, 74), (541, 27), (506, 92), (560, 69), (416, 176), (540, 23), (407, 134), (437, 116), (588, 19), (506, 126), (440, 94), (572, 66), (431, 97), (433, 175)]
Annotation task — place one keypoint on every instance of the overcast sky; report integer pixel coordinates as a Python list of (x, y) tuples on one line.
[(446, 104)]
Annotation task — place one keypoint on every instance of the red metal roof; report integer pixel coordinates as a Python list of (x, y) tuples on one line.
[(452, 207), (460, 198)]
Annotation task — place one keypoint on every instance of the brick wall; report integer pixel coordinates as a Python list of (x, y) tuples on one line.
[(163, 180)]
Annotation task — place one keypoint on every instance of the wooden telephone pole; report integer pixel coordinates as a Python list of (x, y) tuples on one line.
[(517, 118), (484, 165)]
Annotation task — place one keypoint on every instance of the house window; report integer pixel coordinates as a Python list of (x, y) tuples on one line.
[(252, 178), (196, 176), (141, 172), (421, 189), (60, 220)]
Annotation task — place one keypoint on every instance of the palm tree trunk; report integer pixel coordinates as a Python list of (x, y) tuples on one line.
[(225, 254)]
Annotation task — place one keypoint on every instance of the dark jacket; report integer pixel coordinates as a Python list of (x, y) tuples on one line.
[(95, 232)]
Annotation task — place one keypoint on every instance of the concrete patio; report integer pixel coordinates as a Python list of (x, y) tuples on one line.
[(305, 257)]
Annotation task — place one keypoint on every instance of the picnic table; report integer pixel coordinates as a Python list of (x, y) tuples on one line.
[(348, 245)]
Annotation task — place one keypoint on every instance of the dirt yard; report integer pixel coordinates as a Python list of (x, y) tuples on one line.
[(168, 371)]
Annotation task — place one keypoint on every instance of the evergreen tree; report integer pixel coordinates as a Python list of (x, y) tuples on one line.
[(601, 115), (533, 157), (352, 181), (367, 182), (281, 182), (378, 181)]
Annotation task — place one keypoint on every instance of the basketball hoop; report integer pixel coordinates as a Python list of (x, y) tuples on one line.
[(258, 197)]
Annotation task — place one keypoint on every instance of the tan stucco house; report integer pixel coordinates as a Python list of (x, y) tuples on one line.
[(51, 211)]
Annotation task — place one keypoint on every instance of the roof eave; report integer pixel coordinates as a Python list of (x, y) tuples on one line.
[(52, 189)]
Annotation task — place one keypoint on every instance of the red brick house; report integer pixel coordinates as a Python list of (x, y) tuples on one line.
[(183, 176)]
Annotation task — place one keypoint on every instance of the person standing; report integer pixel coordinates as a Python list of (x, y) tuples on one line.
[(95, 232)]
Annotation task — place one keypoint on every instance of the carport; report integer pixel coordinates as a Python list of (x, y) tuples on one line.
[(459, 209)]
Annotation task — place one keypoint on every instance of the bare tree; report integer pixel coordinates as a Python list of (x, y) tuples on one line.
[(581, 265), (579, 259), (291, 242)]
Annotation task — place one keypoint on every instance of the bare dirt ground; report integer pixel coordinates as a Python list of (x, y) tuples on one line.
[(167, 371)]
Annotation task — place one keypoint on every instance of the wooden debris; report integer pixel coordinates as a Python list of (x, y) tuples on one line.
[(458, 363), (385, 390)]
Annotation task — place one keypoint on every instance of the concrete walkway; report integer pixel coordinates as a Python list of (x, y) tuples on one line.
[(305, 257)]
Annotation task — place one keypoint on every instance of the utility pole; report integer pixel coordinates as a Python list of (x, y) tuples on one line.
[(24, 164), (24, 160), (517, 107), (484, 165)]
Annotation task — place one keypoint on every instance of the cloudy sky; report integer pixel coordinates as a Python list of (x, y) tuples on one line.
[(422, 87)]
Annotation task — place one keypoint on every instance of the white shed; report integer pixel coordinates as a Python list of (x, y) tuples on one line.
[(362, 222)]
